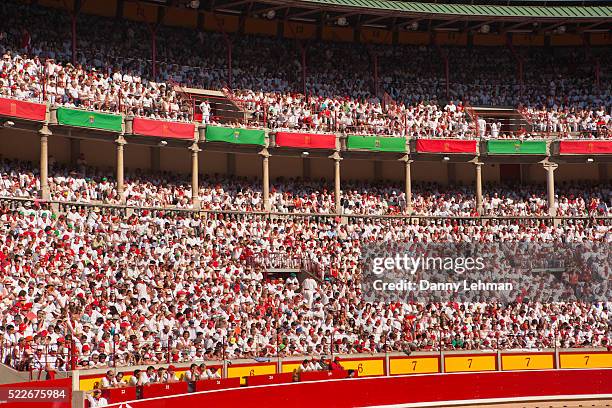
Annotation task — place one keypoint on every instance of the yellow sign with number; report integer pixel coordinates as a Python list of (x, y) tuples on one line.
[(455, 364), (365, 368), (246, 371), (89, 383), (424, 365), (290, 367), (585, 360), (512, 362)]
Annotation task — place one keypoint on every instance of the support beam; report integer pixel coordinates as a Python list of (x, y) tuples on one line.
[(305, 13), (551, 27), (155, 153), (262, 12), (265, 170), (377, 170), (408, 182), (509, 29), (231, 164), (337, 159), (519, 63), (447, 23), (153, 31), (550, 167), (75, 151), (603, 173), (44, 133), (375, 76), (228, 44), (375, 20), (228, 6), (75, 12), (303, 49), (306, 168), (447, 73), (195, 184), (120, 142), (74, 39), (478, 26)]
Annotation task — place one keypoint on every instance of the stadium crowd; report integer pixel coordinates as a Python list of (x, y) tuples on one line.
[(84, 184), (90, 286), (117, 75), (158, 286)]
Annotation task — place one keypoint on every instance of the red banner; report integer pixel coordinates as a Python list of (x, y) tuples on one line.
[(305, 140), (161, 128), (445, 146), (22, 109), (585, 147)]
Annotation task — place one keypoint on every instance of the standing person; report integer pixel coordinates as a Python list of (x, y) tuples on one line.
[(309, 286), (482, 127), (494, 130), (205, 109), (96, 399)]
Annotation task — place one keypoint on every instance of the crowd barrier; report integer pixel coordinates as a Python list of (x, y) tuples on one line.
[(382, 391), (341, 139), (64, 206), (395, 364)]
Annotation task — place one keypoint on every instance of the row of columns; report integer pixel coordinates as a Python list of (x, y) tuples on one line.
[(120, 143)]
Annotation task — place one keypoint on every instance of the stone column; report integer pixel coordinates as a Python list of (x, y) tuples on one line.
[(550, 167), (195, 184), (479, 206), (408, 182), (336, 158), (121, 142), (44, 161), (265, 170)]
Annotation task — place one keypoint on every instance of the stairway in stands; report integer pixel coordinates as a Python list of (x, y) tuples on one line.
[(512, 120), (224, 108)]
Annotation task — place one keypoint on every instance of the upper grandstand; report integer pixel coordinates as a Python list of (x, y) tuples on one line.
[(401, 70)]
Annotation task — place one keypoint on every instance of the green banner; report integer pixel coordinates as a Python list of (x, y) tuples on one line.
[(376, 143), (235, 135), (516, 147), (89, 119)]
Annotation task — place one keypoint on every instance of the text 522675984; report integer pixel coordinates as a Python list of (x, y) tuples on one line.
[(8, 394)]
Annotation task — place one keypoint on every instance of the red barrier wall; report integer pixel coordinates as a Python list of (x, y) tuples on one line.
[(305, 140), (445, 146), (22, 109), (160, 128), (402, 389), (585, 147)]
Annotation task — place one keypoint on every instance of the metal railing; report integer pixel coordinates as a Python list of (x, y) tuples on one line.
[(64, 206)]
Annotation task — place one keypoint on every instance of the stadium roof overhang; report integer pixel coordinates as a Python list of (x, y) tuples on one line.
[(511, 16)]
